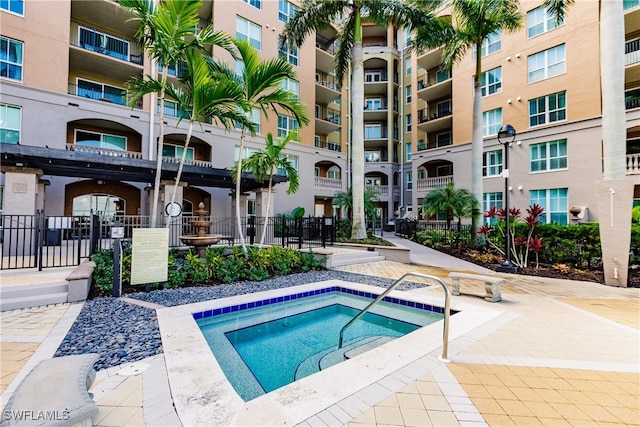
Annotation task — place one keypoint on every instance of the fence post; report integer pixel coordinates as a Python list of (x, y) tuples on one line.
[(94, 233), (39, 236)]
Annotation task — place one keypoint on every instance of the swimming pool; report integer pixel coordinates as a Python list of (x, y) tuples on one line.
[(267, 344), (203, 396)]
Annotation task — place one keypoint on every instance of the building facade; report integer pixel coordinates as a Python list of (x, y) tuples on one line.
[(71, 144)]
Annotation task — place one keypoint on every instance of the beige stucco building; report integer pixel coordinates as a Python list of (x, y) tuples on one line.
[(70, 144)]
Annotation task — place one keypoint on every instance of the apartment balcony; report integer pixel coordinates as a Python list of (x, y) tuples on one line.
[(101, 92), (376, 80), (103, 151), (328, 183), (325, 53), (430, 59), (327, 120), (632, 60), (427, 184), (431, 88), (631, 16), (104, 14), (103, 54), (632, 99), (375, 110), (327, 145), (384, 191), (327, 88), (376, 134), (436, 118)]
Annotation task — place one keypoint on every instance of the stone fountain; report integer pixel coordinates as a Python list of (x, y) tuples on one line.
[(201, 240)]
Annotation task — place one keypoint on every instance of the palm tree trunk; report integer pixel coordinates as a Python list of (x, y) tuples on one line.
[(476, 147), (238, 181), (266, 219), (359, 230), (156, 185), (181, 165), (614, 130)]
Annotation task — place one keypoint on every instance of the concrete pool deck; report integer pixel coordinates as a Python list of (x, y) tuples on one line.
[(560, 353)]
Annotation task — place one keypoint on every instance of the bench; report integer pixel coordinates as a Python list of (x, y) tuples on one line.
[(55, 393), (491, 284), (79, 281)]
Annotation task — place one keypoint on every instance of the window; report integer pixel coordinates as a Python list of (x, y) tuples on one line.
[(407, 66), (407, 91), (442, 75), (373, 76), (491, 81), (290, 54), (422, 173), (253, 116), (444, 170), (372, 131), (333, 173), (554, 202), (409, 180), (492, 163), (490, 200), (10, 123), (293, 160), (443, 139), (491, 44), (373, 181), (11, 59), (539, 21), (548, 109), (491, 122), (246, 30), (548, 155), (175, 151), (172, 109), (546, 64), (291, 85), (254, 3), (103, 92), (372, 156), (88, 204), (373, 104), (285, 10), (408, 151), (101, 140), (287, 124), (15, 6), (408, 122)]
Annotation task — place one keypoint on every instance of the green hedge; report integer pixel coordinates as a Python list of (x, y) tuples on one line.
[(221, 265)]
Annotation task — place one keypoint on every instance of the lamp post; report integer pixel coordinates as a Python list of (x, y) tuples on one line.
[(506, 135)]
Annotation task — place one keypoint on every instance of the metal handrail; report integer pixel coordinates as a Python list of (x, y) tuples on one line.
[(447, 298)]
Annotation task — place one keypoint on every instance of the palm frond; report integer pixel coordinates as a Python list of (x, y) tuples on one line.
[(312, 16), (137, 87), (557, 8)]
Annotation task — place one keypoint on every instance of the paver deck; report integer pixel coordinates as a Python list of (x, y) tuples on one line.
[(562, 353)]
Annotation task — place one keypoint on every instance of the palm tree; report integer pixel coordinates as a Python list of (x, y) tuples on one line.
[(267, 162), (459, 203), (166, 29), (472, 22), (200, 94), (316, 15), (260, 81), (344, 200)]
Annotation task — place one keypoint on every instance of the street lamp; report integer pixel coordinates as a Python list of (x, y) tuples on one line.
[(506, 135)]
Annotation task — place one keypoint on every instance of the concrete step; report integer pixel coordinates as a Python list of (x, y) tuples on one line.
[(356, 257), (33, 295)]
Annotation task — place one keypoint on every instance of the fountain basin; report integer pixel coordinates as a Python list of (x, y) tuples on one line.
[(201, 242)]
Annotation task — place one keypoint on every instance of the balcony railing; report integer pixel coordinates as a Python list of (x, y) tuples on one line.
[(176, 160), (110, 96), (327, 80), (429, 114), (326, 44), (328, 114), (375, 76), (632, 99), (104, 151), (333, 146), (375, 133), (434, 182), (106, 44), (632, 52), (330, 183)]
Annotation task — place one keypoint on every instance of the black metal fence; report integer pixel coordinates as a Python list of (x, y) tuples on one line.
[(41, 241)]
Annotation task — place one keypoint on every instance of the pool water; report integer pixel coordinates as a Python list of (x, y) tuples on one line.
[(264, 348)]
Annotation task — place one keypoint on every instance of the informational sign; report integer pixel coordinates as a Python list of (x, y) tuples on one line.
[(149, 255)]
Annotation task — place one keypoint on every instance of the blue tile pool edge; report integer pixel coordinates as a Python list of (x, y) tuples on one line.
[(280, 299)]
